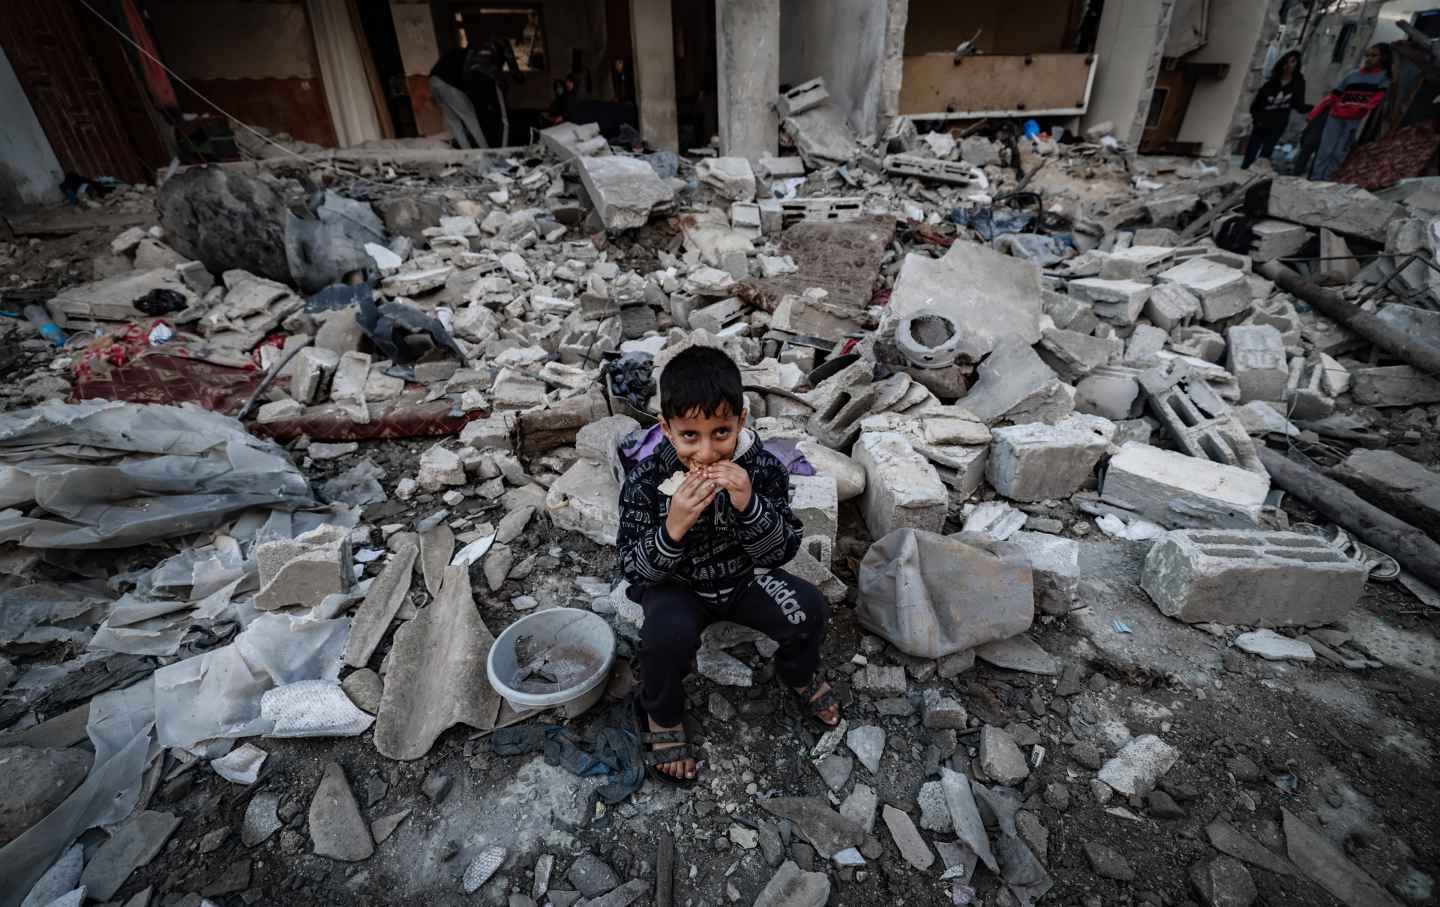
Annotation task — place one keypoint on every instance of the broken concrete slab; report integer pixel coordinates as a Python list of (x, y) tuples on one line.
[(261, 819), (1019, 653), (586, 499), (337, 830), (1183, 492), (826, 830), (1314, 855), (791, 886), (1055, 565), (39, 780), (732, 177), (907, 840), (1140, 764), (1271, 646), (965, 816), (1037, 462), (1252, 578), (1074, 355), (134, 843), (1015, 383), (1001, 758), (902, 489), (868, 745), (382, 601), (303, 570), (1233, 842), (624, 190), (436, 675), (1223, 291), (1345, 209), (1394, 385), (1171, 305), (995, 296), (1117, 302)]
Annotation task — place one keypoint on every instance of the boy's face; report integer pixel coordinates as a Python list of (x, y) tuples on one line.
[(702, 439)]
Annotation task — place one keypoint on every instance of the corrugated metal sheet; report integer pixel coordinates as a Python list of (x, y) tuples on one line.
[(46, 41)]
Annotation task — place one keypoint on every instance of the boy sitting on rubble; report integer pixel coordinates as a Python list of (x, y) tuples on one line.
[(697, 519)]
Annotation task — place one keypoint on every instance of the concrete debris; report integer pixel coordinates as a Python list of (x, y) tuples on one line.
[(902, 831), (1001, 758), (902, 488), (1179, 491), (134, 843), (992, 295), (1036, 462), (1349, 210), (1315, 856), (1140, 764), (1273, 647), (868, 745), (1018, 653), (304, 570), (792, 886), (624, 190), (1252, 578), (337, 830)]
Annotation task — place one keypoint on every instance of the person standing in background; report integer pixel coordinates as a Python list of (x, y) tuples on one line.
[(1270, 111), (1347, 106), (448, 88), (488, 79)]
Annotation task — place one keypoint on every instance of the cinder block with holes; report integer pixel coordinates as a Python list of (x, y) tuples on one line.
[(1196, 418), (928, 168), (1254, 578), (816, 501)]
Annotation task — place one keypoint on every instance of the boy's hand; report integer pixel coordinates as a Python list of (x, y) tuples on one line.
[(734, 479), (686, 505)]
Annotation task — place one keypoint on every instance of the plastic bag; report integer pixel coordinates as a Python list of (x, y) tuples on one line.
[(933, 596)]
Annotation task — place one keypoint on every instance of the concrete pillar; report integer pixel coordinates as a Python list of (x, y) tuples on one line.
[(747, 33), (1125, 77), (30, 174), (654, 48)]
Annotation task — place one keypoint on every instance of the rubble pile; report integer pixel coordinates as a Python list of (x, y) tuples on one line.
[(1066, 468)]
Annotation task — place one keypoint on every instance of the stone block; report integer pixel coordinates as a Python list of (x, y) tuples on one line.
[(492, 433), (802, 97), (1171, 305), (1279, 312), (1179, 491), (731, 177), (440, 467), (624, 190), (1344, 209), (1114, 301), (1112, 391), (994, 296), (815, 500), (1255, 354), (1055, 565), (1195, 417), (1197, 342), (902, 489), (514, 390), (352, 372), (1036, 462), (1074, 355), (1276, 239), (1255, 578), (303, 570), (312, 367), (278, 411), (1223, 291), (718, 315), (1393, 385), (1305, 394), (1134, 262), (1170, 210), (1144, 346), (956, 173), (1016, 383), (586, 499)]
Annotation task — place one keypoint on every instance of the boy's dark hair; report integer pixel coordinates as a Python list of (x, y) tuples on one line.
[(701, 380)]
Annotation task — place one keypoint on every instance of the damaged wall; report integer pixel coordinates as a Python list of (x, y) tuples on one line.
[(1013, 27), (1238, 33), (843, 41), (273, 82), (30, 174), (568, 24), (1124, 79)]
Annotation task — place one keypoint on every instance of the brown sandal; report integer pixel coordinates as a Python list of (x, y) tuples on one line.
[(818, 701), (654, 758)]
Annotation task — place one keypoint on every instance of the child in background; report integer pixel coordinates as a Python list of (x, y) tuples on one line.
[(1347, 106), (697, 519)]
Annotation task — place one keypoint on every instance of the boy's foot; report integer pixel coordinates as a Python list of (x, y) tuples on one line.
[(823, 704), (683, 769)]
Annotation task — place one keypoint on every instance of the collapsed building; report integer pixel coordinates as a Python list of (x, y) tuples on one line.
[(1119, 470)]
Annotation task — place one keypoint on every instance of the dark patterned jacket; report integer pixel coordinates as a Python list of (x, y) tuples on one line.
[(718, 556)]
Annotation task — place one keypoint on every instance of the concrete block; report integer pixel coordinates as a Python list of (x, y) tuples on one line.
[(492, 433), (1036, 462), (1178, 491), (849, 476), (1171, 305), (1015, 379), (1305, 395), (1260, 579), (1276, 239), (902, 489), (352, 371), (1255, 354), (960, 468), (624, 190), (586, 499), (816, 501), (992, 297), (1073, 355), (1144, 346), (1157, 236), (1279, 312), (440, 467), (802, 97), (956, 173), (1112, 391), (1114, 301), (515, 390), (1055, 565), (1134, 262), (718, 315), (1170, 210), (1393, 385), (278, 411), (732, 177), (1196, 418), (1344, 209), (1223, 292), (1201, 343), (303, 570)]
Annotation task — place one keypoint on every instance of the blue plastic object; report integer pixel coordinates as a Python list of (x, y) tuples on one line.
[(1032, 129)]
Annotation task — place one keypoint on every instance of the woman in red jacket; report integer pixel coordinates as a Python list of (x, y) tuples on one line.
[(1347, 106)]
